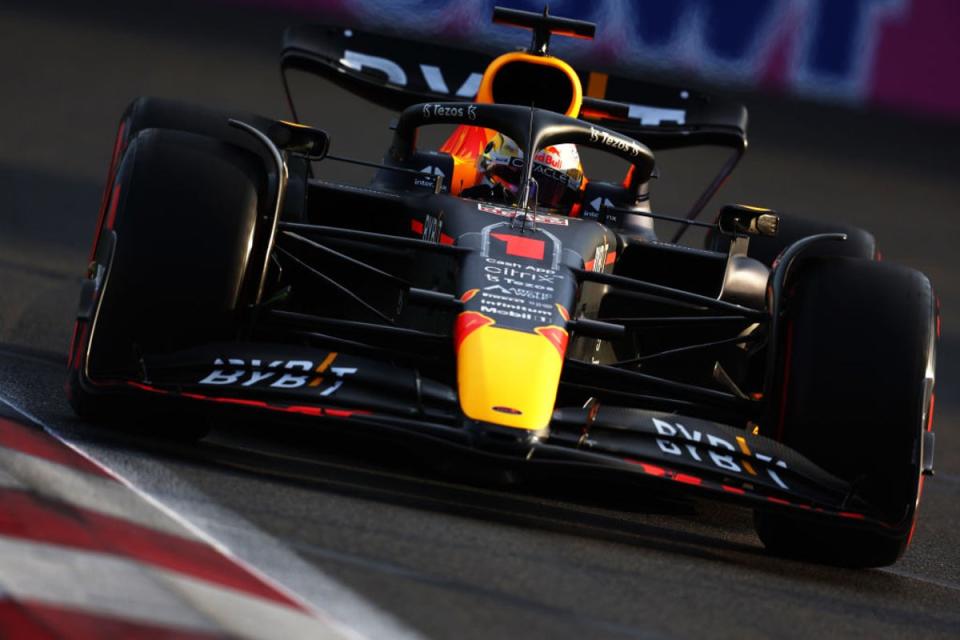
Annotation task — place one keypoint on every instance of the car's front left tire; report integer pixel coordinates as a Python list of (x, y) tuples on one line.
[(173, 259)]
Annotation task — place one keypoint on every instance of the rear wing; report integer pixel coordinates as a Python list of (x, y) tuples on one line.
[(396, 73)]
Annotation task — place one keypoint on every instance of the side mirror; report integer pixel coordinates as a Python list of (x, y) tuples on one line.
[(300, 139), (744, 220)]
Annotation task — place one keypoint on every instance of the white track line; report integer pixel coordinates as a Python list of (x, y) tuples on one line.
[(252, 549), (8, 481)]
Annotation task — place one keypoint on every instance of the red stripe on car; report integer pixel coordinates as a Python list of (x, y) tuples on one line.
[(558, 337), (522, 247), (114, 202), (688, 479), (649, 469), (117, 148), (468, 322)]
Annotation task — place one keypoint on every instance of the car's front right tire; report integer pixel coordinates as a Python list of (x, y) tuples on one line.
[(856, 386)]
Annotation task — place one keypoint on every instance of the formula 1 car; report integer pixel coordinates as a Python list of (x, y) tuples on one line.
[(783, 366)]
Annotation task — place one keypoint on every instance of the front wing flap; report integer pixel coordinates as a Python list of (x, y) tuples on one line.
[(707, 455), (378, 398)]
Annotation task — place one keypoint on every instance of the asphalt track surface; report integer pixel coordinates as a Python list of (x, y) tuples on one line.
[(442, 557)]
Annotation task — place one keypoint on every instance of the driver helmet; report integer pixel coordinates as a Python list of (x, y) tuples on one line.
[(556, 169)]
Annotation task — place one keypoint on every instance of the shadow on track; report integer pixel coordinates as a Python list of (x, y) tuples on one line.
[(639, 514)]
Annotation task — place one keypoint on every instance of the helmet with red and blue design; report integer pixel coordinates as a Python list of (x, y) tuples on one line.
[(556, 170)]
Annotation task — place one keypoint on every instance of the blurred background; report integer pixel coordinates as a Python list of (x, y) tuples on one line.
[(854, 115), (854, 106)]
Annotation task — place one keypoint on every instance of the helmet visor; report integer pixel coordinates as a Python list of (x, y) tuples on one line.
[(557, 189)]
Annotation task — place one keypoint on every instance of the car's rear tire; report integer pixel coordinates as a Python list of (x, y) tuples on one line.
[(859, 346), (859, 244), (174, 253)]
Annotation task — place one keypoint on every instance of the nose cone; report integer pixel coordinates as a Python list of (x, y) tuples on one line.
[(506, 376)]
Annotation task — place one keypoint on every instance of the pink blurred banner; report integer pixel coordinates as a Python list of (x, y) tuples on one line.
[(899, 54)]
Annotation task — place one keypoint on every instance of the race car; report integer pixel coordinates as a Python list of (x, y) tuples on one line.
[(782, 366)]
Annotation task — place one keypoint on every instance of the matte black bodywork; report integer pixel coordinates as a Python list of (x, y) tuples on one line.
[(351, 297)]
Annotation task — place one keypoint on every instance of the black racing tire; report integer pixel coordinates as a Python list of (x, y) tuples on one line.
[(176, 257), (860, 339), (859, 244), (172, 115)]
